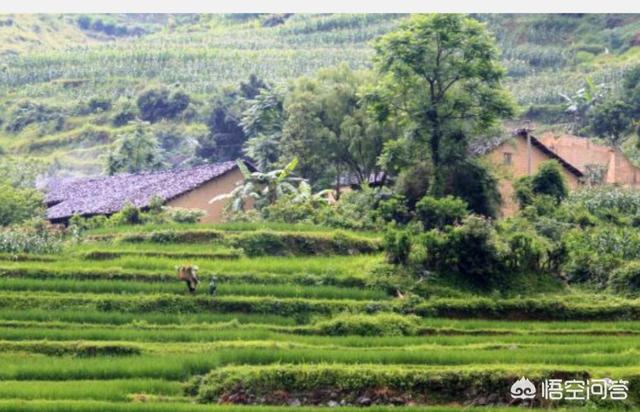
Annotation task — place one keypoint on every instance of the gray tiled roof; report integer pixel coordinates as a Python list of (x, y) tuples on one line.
[(108, 194)]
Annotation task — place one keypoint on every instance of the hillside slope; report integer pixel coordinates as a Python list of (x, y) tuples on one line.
[(56, 64)]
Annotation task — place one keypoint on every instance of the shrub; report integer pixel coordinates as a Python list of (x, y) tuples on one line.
[(626, 279), (523, 192), (137, 151), (394, 209), (28, 112), (128, 215), (157, 104), (595, 252), (548, 180), (28, 240), (473, 182), (125, 111), (18, 205), (354, 210), (381, 324), (413, 183), (527, 251), (88, 223), (285, 210), (438, 213), (84, 22), (182, 215), (95, 105), (397, 246), (261, 243), (173, 236), (604, 201), (470, 250)]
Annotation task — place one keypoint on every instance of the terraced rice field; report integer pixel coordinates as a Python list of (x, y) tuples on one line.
[(116, 331)]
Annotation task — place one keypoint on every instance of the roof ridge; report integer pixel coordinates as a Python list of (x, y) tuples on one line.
[(524, 132), (107, 194)]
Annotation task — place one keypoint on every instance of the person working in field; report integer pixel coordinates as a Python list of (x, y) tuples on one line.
[(213, 287), (188, 274)]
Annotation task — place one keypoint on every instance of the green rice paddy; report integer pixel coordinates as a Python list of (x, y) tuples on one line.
[(123, 334)]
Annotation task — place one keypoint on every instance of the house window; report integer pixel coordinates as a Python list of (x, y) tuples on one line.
[(506, 159)]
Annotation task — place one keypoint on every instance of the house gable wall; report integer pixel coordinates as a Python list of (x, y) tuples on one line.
[(516, 150), (199, 198), (582, 152)]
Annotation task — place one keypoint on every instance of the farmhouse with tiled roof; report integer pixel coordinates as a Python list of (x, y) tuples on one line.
[(521, 155), (104, 195)]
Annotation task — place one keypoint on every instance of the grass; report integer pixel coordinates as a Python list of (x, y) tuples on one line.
[(224, 289), (79, 334), (120, 318), (227, 227), (107, 390), (333, 265), (180, 366)]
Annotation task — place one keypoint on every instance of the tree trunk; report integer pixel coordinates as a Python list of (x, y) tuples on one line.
[(437, 186)]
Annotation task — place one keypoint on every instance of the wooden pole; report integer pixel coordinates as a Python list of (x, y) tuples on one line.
[(528, 152)]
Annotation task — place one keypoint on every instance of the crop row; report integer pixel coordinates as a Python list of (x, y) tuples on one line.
[(172, 366), (111, 390), (224, 288), (170, 303), (129, 267), (136, 275), (114, 318), (233, 332), (261, 242), (547, 308)]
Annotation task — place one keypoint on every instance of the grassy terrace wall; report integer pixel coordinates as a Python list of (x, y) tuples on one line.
[(259, 243), (301, 318)]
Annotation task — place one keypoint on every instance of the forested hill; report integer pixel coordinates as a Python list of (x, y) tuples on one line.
[(65, 80)]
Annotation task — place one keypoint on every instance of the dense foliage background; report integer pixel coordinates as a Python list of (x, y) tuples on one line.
[(69, 84)]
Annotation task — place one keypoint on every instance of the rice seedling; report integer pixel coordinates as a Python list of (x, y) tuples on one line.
[(225, 289), (108, 390), (118, 318), (334, 265)]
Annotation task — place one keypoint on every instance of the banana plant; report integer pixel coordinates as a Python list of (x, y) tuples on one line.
[(265, 188), (305, 194), (582, 101)]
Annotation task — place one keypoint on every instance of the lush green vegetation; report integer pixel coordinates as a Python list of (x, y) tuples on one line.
[(82, 333), (70, 84), (414, 292)]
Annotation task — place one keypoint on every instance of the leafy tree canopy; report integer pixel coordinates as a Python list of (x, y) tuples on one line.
[(329, 128), (441, 81), (137, 151)]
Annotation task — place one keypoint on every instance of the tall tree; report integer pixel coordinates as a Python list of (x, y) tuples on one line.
[(136, 152), (611, 120), (616, 116), (226, 137), (262, 123), (441, 80), (329, 129)]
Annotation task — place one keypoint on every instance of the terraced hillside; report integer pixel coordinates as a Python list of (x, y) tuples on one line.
[(55, 69), (302, 317)]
